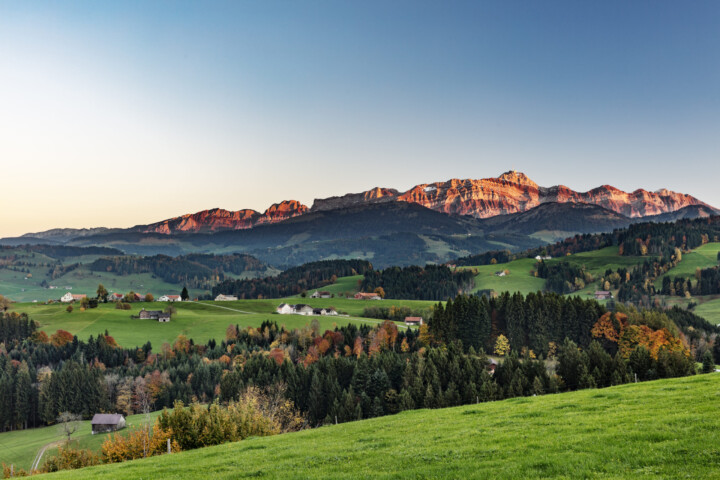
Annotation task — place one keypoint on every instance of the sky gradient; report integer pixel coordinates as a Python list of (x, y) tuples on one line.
[(124, 113)]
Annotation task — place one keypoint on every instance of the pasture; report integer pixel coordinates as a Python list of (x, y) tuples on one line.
[(20, 447), (200, 321), (660, 429)]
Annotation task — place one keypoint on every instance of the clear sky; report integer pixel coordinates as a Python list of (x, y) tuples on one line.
[(123, 113)]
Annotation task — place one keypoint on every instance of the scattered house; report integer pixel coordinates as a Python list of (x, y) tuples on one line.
[(501, 273), (602, 295), (139, 297), (367, 296), (107, 422), (416, 321), (285, 309), (225, 298), (492, 366), (115, 297), (302, 309), (69, 298), (539, 257), (149, 314), (154, 315), (169, 298), (322, 294)]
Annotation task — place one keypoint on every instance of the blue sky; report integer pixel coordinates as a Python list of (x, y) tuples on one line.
[(153, 109)]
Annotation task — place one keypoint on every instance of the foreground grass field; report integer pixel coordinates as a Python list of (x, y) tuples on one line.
[(660, 429), (20, 447)]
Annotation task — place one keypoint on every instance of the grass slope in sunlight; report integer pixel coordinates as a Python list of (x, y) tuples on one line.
[(661, 429)]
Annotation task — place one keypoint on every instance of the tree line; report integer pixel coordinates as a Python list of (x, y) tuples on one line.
[(294, 280), (434, 282)]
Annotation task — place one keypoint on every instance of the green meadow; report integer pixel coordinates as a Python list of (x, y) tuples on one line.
[(20, 447), (200, 321), (702, 257), (661, 429)]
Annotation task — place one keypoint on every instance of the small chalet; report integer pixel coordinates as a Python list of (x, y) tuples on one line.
[(413, 321), (69, 298), (602, 295), (501, 273), (169, 298), (321, 294), (225, 298), (115, 297), (367, 296), (285, 309), (542, 258), (107, 422)]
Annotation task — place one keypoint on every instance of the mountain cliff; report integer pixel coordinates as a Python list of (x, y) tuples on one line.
[(219, 219)]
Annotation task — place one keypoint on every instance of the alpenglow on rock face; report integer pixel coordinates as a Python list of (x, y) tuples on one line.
[(511, 192)]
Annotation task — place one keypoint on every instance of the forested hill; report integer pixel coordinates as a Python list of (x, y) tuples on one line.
[(294, 280), (434, 282), (195, 270), (639, 239)]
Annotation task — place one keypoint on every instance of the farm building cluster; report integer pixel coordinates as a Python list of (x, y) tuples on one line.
[(303, 309)]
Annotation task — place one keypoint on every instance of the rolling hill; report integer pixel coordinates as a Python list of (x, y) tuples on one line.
[(628, 431)]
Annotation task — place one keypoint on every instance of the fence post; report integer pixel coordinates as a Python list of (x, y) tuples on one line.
[(169, 446)]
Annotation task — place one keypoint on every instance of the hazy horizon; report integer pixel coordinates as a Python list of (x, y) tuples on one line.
[(119, 114)]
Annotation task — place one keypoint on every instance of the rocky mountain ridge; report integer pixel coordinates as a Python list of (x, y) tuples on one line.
[(512, 192)]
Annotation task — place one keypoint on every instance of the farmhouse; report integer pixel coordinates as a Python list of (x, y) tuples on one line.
[(225, 298), (539, 257), (322, 294), (302, 309), (367, 296), (169, 298), (107, 422), (69, 297), (602, 295), (154, 315), (115, 297), (416, 321), (501, 273), (284, 309)]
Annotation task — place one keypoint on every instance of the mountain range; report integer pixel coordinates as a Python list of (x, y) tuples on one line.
[(427, 223), (511, 192)]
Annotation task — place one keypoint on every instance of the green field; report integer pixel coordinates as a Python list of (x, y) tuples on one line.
[(20, 447), (710, 311), (661, 429), (200, 321), (702, 257), (518, 280)]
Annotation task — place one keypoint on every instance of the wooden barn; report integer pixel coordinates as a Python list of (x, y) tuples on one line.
[(107, 422)]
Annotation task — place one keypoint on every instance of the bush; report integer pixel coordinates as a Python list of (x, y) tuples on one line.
[(70, 459)]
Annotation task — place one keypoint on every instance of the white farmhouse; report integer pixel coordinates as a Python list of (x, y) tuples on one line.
[(225, 298), (285, 309)]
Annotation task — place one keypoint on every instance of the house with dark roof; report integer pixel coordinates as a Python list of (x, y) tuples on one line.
[(154, 315), (107, 422), (602, 295)]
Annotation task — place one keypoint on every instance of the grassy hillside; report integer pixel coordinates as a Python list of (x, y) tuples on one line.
[(20, 447), (660, 429), (200, 321), (701, 257), (520, 279)]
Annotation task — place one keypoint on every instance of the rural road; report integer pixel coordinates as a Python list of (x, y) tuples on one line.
[(41, 452)]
